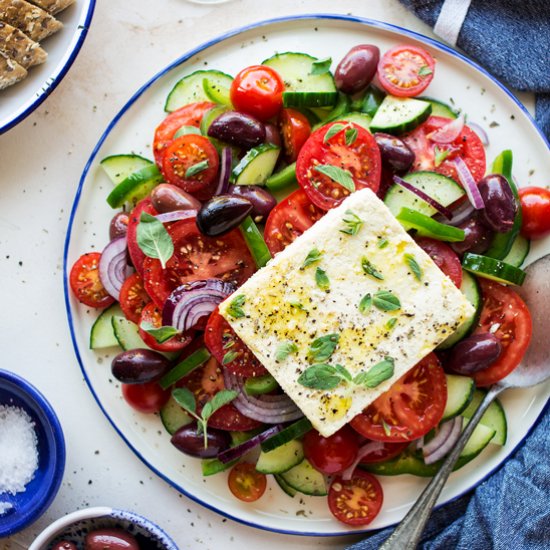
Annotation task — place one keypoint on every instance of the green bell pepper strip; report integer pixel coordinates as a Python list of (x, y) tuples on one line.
[(428, 227)]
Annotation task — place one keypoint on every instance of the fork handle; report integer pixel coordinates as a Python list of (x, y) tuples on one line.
[(407, 534)]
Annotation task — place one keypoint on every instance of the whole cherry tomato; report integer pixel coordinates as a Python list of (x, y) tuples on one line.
[(535, 206)]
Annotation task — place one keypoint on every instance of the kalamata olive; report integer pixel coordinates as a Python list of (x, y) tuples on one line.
[(169, 198), (474, 353), (221, 214), (395, 153), (238, 129), (262, 200), (138, 366), (64, 545), (477, 237), (119, 225), (357, 68), (272, 134), (500, 203), (190, 442), (110, 539)]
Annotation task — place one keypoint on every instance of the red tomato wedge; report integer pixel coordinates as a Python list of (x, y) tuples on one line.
[(86, 284), (246, 483), (467, 146), (153, 315), (229, 349), (444, 257), (136, 255), (295, 129), (410, 408), (504, 314), (196, 257), (133, 298), (357, 501)]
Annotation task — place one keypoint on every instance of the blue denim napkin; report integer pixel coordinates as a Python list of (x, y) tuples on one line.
[(510, 510)]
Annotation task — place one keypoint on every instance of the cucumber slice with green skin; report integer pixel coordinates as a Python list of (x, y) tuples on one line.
[(518, 252), (260, 385), (135, 187), (285, 486), (257, 165), (186, 130), (183, 368), (460, 391), (217, 92), (427, 227), (102, 334), (255, 242), (399, 115), (370, 102), (190, 88), (173, 417), (496, 270), (119, 167), (494, 418), (282, 179), (294, 431), (295, 70), (309, 99), (472, 291), (440, 109), (281, 459), (361, 119), (442, 189), (306, 479)]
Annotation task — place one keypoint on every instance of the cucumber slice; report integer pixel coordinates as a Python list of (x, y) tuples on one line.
[(173, 417), (102, 334), (494, 417), (309, 99), (135, 187), (518, 252), (259, 385), (282, 179), (255, 242), (186, 130), (257, 165), (460, 390), (285, 486), (496, 270), (210, 116), (217, 92), (119, 167), (399, 115), (183, 368), (295, 70), (190, 88), (442, 189), (295, 430), (440, 109), (306, 479), (470, 288), (342, 107), (361, 119), (281, 459)]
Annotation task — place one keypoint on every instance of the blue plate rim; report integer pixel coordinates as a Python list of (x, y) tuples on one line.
[(45, 91), (272, 21)]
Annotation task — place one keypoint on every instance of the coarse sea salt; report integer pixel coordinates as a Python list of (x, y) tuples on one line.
[(18, 450)]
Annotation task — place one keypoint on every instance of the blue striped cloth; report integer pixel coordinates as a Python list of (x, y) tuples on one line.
[(510, 510)]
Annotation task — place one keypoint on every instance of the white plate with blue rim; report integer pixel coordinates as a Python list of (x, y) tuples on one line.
[(457, 81), (21, 99)]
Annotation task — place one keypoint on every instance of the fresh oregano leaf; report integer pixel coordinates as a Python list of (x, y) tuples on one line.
[(153, 239), (338, 175), (413, 264), (321, 66), (333, 130), (321, 279), (424, 71), (376, 374), (382, 243), (386, 301), (185, 399), (160, 334), (322, 348), (440, 155), (297, 305), (391, 323), (387, 429), (370, 269), (230, 356), (235, 307), (320, 377), (196, 169), (352, 223), (350, 135), (343, 372), (223, 397), (365, 303), (284, 350), (313, 256)]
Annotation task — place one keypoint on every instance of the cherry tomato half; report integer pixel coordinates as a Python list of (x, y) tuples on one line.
[(406, 71), (86, 284), (444, 257), (258, 91), (331, 455), (151, 314), (246, 483), (357, 501), (295, 129), (535, 207), (133, 298), (410, 408), (146, 398), (506, 312)]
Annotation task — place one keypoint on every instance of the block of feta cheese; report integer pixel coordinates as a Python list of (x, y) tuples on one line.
[(354, 290)]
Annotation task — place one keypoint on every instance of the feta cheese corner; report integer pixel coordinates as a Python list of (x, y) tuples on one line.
[(358, 276)]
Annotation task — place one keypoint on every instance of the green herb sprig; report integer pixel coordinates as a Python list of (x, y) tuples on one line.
[(153, 239)]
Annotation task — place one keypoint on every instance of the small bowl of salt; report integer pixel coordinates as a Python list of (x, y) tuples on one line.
[(32, 453)]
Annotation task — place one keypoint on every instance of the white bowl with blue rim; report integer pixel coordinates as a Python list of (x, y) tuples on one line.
[(27, 506)]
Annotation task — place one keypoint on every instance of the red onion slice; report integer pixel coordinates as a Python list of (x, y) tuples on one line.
[(113, 268), (447, 133), (370, 447), (226, 160), (469, 183), (443, 210), (189, 305), (240, 450), (176, 215), (444, 440), (460, 214), (479, 130)]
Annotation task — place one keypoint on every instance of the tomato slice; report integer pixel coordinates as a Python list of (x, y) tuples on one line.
[(406, 71), (246, 483), (295, 129), (359, 155), (444, 257), (182, 156), (535, 207), (86, 284), (135, 252), (357, 501), (385, 452), (331, 455), (133, 298), (410, 408), (205, 382), (467, 146), (196, 257), (146, 398), (188, 115), (289, 219), (153, 315), (506, 315), (221, 340)]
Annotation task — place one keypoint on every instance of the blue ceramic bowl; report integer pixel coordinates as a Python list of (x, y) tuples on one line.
[(30, 504)]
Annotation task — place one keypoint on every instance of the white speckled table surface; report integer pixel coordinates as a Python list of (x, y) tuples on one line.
[(41, 161)]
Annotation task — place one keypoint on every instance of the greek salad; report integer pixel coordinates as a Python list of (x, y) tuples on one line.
[(243, 167)]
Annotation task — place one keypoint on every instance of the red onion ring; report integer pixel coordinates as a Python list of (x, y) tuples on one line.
[(443, 441), (370, 447), (469, 183), (443, 210), (176, 215), (113, 268), (447, 133), (226, 160), (479, 130)]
